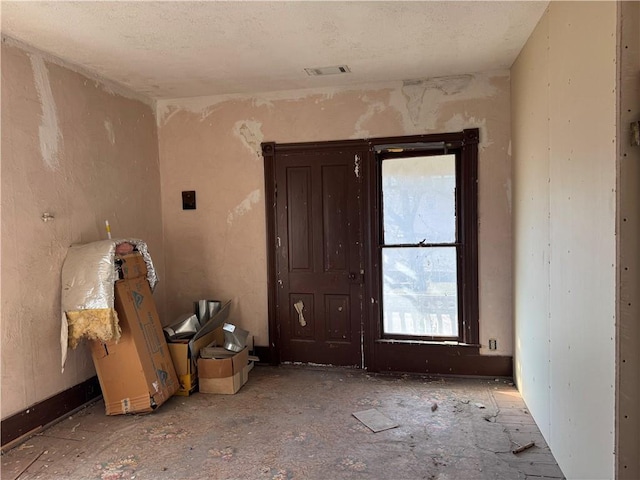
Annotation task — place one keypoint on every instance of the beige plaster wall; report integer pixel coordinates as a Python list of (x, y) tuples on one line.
[(212, 145), (564, 160), (75, 149)]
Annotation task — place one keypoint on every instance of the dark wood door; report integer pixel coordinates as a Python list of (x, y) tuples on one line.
[(319, 259)]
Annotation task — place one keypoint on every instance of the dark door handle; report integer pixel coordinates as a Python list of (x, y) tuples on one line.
[(352, 276)]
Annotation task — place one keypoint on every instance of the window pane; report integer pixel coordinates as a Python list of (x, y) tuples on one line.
[(419, 291), (418, 196)]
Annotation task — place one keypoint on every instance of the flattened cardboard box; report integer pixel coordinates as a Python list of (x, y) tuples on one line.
[(185, 363), (136, 374), (224, 375)]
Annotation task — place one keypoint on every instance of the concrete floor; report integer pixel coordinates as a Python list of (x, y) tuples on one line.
[(293, 422)]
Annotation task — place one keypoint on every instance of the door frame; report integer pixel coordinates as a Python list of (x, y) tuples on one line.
[(269, 152), (378, 353)]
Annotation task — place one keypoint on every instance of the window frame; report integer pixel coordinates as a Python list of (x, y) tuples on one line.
[(380, 158), (465, 147)]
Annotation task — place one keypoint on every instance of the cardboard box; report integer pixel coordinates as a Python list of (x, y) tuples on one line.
[(224, 375), (185, 352), (132, 265), (136, 374)]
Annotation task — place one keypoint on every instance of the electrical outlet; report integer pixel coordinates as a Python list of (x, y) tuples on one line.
[(493, 344)]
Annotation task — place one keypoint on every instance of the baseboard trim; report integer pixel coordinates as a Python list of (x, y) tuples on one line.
[(264, 354), (37, 416), (441, 360)]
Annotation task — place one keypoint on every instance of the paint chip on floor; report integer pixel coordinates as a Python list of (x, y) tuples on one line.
[(376, 421)]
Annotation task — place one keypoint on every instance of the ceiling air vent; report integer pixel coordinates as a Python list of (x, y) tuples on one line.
[(314, 72)]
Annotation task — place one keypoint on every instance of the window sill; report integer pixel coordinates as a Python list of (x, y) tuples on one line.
[(444, 343)]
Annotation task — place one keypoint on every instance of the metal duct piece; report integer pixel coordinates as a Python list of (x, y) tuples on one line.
[(213, 307), (235, 338), (202, 311), (186, 326)]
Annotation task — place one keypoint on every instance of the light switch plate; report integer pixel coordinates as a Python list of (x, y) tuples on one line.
[(189, 200)]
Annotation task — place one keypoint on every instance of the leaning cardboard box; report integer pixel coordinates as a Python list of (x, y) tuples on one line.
[(224, 375), (136, 374)]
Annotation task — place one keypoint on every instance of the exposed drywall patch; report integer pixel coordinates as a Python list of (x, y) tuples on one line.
[(201, 105), (49, 130), (448, 85), (244, 206), (372, 109), (424, 98), (262, 102), (414, 94), (250, 133), (416, 90), (108, 126), (164, 113), (461, 121)]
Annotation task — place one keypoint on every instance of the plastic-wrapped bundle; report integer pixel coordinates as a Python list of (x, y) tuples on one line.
[(88, 276)]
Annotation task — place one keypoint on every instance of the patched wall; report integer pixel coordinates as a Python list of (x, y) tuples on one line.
[(212, 145), (75, 149)]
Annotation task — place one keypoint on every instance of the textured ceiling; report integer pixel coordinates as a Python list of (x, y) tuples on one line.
[(184, 49)]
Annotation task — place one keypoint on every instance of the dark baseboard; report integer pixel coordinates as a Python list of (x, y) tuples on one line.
[(440, 360), (426, 359), (49, 410), (469, 366), (264, 354)]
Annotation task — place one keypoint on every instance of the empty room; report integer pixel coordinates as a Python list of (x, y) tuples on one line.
[(320, 239)]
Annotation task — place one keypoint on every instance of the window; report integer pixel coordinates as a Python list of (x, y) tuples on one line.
[(419, 249), (427, 242)]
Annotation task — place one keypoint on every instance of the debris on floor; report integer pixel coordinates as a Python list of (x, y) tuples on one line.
[(225, 453), (118, 469), (349, 463), (375, 420), (295, 422), (522, 448), (165, 432), (491, 418)]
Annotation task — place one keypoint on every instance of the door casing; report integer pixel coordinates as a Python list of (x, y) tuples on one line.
[(381, 354)]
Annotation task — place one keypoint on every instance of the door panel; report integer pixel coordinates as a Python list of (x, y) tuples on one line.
[(319, 259), (299, 207)]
